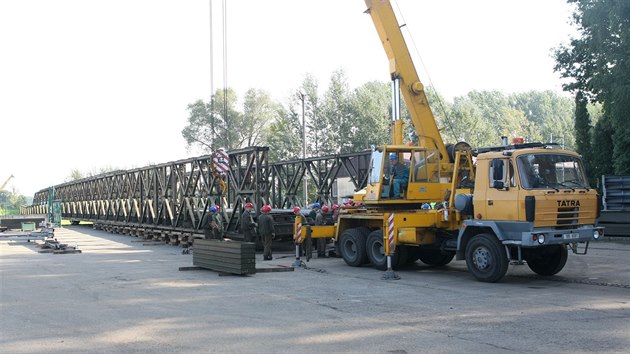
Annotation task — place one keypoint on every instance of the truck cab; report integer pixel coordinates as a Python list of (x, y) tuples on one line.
[(532, 202), (554, 179)]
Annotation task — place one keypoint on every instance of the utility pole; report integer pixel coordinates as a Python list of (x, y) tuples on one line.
[(304, 182)]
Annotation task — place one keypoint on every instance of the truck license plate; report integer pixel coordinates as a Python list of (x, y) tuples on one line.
[(570, 236)]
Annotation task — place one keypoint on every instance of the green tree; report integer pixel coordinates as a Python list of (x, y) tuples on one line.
[(336, 117), (583, 129), (595, 111), (598, 62), (601, 162), (75, 175), (284, 136), (469, 124), (370, 114), (200, 130), (212, 125), (482, 117), (16, 200), (11, 201), (444, 117), (220, 124), (258, 111), (550, 114), (224, 118), (308, 95)]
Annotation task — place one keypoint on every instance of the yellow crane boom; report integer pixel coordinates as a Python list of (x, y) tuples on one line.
[(401, 67), (5, 183)]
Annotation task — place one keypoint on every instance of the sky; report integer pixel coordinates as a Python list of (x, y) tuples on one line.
[(105, 83)]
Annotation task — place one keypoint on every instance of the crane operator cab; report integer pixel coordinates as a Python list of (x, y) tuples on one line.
[(396, 180), (403, 172)]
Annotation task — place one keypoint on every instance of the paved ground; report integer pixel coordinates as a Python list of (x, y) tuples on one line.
[(119, 296)]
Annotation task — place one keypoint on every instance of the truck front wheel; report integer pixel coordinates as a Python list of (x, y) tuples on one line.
[(548, 260), (352, 247), (486, 258)]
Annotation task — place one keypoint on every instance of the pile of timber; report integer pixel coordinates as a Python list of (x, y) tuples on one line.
[(225, 256)]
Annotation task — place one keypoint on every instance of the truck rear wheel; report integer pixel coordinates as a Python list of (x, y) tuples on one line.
[(486, 258), (352, 247), (435, 257), (548, 260), (413, 254), (400, 257), (376, 252)]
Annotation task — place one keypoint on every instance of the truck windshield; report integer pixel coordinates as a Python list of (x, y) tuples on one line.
[(375, 167), (551, 171)]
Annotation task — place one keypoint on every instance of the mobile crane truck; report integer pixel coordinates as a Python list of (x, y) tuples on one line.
[(524, 202)]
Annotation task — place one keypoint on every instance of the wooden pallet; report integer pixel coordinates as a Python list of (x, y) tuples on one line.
[(225, 256)]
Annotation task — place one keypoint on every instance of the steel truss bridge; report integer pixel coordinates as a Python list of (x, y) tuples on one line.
[(168, 201)]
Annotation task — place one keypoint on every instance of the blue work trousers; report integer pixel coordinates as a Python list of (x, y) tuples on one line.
[(398, 184)]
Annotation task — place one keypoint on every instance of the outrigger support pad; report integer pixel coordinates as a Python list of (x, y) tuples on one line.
[(389, 273)]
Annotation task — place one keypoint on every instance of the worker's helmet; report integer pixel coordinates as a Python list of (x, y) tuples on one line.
[(335, 207), (296, 210), (393, 156), (325, 208), (265, 209), (249, 205), (213, 209), (316, 205)]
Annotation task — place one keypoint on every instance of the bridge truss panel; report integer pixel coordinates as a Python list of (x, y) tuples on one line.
[(177, 195)]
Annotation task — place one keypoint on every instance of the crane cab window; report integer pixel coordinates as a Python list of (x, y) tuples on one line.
[(404, 158), (375, 166), (426, 166)]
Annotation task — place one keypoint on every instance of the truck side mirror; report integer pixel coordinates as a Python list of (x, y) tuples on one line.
[(497, 170)]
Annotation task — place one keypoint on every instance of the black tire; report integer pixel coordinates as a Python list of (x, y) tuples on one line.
[(413, 254), (486, 258), (364, 231), (375, 250), (352, 247), (400, 257), (435, 257), (547, 261)]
